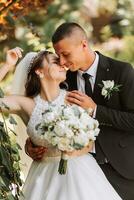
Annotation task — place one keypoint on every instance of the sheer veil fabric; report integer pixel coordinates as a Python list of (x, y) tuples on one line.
[(18, 88), (20, 75)]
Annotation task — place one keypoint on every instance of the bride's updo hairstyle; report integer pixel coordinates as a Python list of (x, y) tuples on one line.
[(33, 85)]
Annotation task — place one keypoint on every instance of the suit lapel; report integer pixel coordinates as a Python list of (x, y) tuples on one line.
[(102, 74)]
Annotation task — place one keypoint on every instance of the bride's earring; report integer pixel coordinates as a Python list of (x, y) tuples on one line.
[(41, 75)]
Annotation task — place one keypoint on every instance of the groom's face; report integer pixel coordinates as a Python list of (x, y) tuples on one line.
[(70, 52)]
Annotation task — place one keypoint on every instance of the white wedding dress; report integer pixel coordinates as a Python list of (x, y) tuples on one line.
[(84, 179)]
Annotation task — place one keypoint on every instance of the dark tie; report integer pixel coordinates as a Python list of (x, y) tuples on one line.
[(88, 88)]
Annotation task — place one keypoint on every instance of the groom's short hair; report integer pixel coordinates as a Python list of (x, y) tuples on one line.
[(66, 30)]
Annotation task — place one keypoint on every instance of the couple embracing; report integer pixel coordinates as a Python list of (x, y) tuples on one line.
[(98, 84)]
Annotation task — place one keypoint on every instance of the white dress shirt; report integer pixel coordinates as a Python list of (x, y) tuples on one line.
[(92, 71)]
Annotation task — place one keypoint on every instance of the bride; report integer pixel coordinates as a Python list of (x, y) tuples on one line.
[(84, 179)]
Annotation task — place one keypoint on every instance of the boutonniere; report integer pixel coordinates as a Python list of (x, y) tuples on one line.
[(108, 87)]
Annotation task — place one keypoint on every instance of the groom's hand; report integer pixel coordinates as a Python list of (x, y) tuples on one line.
[(35, 152), (81, 99)]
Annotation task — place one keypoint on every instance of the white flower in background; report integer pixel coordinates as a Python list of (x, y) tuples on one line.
[(108, 87)]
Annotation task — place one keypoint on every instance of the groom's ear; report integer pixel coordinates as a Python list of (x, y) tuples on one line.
[(84, 43)]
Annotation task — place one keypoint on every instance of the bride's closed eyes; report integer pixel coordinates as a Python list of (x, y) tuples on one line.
[(56, 61)]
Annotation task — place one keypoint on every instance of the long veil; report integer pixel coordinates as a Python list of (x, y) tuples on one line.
[(18, 88)]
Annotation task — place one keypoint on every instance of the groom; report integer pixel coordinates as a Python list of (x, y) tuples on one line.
[(114, 147)]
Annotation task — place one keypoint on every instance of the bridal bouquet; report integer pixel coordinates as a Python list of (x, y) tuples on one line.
[(67, 127)]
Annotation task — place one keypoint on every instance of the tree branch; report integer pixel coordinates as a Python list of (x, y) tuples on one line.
[(5, 8)]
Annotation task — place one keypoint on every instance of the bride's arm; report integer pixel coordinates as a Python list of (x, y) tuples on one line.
[(16, 104), (11, 59)]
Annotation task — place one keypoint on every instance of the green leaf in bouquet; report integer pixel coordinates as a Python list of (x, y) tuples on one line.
[(37, 126), (50, 128), (76, 111), (77, 146), (12, 120)]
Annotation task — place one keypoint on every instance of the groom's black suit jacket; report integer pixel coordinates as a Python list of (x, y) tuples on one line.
[(116, 115)]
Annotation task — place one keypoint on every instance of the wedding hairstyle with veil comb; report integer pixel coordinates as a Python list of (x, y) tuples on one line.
[(26, 82), (20, 75)]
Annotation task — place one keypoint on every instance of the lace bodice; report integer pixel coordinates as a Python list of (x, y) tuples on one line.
[(36, 117)]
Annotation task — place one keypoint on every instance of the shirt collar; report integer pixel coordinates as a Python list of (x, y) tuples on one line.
[(92, 70)]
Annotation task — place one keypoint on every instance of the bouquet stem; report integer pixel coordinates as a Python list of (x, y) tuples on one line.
[(63, 164)]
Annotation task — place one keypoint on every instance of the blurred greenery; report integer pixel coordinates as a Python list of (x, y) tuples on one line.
[(30, 25), (10, 181)]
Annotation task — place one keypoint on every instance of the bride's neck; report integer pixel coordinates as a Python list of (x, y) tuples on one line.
[(49, 90)]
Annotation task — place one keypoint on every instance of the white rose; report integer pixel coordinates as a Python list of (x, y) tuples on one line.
[(74, 122), (96, 131), (49, 117), (68, 112), (55, 141), (91, 124), (82, 139), (91, 135), (104, 92), (48, 136), (84, 119), (69, 133), (108, 84), (60, 128), (96, 123), (80, 109), (63, 144)]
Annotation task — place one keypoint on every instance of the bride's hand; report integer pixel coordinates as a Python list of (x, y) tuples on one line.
[(12, 57), (81, 152)]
